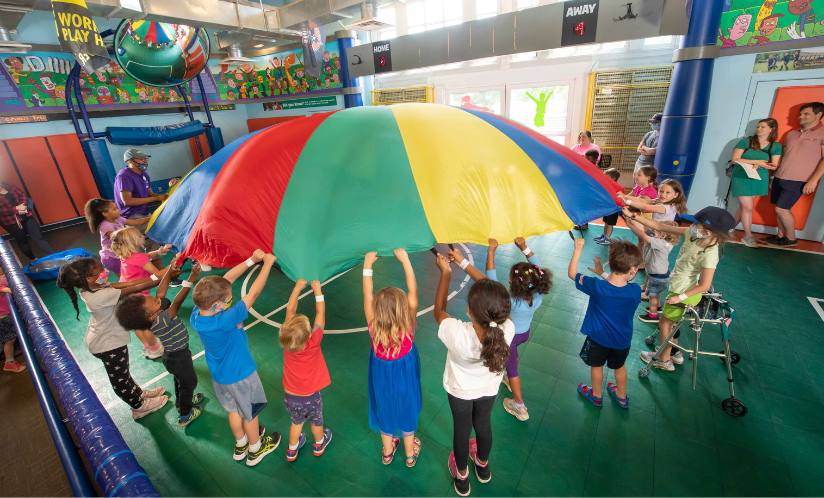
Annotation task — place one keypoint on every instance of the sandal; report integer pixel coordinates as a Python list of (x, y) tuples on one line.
[(644, 297), (411, 461), (395, 443), (613, 391), (586, 392)]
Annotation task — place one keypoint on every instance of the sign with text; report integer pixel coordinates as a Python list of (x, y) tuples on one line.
[(78, 34), (382, 53), (580, 22), (300, 103)]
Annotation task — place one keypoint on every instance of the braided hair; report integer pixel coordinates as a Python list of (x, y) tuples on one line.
[(73, 276), (490, 305), (526, 279)]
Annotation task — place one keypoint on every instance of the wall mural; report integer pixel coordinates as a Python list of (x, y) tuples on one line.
[(765, 22)]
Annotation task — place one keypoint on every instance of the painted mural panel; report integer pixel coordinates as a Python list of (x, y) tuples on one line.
[(769, 22)]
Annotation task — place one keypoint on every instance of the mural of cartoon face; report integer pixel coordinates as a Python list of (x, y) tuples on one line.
[(337, 64), (47, 82), (326, 57), (102, 91), (232, 84), (276, 62), (231, 95), (172, 94), (335, 78), (141, 94), (299, 73), (255, 91), (740, 27), (769, 24), (238, 75), (60, 91), (125, 96), (15, 64), (799, 7), (246, 67), (260, 79)]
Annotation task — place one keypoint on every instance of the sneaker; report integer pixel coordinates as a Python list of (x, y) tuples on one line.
[(768, 240), (518, 411), (188, 419), (649, 318), (268, 444), (646, 356), (175, 283), (242, 451), (461, 483), (13, 366), (149, 405), (603, 240), (785, 242), (292, 455), (581, 227), (506, 382), (319, 448), (677, 357), (197, 398), (482, 472), (152, 355), (749, 241), (153, 393)]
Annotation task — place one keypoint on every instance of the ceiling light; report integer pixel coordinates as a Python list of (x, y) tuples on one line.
[(259, 45)]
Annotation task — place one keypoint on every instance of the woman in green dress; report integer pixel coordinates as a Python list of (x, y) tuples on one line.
[(763, 151)]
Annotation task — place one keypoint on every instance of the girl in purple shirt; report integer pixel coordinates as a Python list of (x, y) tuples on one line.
[(103, 216)]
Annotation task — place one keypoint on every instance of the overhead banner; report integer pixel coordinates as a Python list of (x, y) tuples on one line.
[(314, 42), (789, 60), (78, 34)]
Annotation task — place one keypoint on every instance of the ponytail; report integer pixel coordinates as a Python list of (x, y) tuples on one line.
[(489, 305), (526, 279), (652, 173), (73, 275)]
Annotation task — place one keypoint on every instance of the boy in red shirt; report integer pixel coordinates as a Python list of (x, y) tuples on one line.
[(304, 372)]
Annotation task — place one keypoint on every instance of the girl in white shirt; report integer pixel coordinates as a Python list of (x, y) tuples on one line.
[(475, 365)]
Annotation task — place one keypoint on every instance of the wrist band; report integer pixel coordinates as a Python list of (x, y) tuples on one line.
[(605, 275), (187, 284), (250, 263), (629, 202), (367, 273), (526, 251), (154, 277), (683, 297), (319, 299), (464, 264)]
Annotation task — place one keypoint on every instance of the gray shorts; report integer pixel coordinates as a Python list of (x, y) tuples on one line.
[(246, 397), (638, 165), (149, 245), (657, 286)]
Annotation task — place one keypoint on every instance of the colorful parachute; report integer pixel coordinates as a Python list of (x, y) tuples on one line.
[(323, 190), (155, 32)]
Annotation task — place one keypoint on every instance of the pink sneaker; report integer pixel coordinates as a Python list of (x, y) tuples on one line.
[(461, 483), (153, 393), (149, 405), (13, 367)]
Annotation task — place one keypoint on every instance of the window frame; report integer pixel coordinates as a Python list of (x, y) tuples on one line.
[(537, 84), (486, 88)]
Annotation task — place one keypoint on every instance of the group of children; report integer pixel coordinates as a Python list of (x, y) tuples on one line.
[(482, 352)]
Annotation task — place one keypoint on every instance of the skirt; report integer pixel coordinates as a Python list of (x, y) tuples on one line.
[(395, 393), (7, 331)]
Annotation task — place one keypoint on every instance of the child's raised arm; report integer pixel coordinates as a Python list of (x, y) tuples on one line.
[(240, 269), (411, 283), (655, 225), (456, 256), (644, 204), (320, 305), (292, 305), (368, 297), (443, 289), (163, 288), (160, 252), (134, 289), (573, 263), (530, 256), (181, 296), (490, 254), (260, 281)]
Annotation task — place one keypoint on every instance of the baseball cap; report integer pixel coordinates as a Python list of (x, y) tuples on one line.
[(656, 118), (134, 154), (715, 218)]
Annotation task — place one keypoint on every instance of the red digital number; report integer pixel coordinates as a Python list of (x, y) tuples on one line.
[(383, 61), (579, 29)]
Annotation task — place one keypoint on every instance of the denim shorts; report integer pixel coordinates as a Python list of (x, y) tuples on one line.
[(657, 286)]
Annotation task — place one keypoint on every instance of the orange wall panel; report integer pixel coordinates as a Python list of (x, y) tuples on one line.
[(75, 169)]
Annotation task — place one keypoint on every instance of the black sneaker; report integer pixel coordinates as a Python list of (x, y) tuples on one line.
[(482, 472), (196, 398), (768, 240), (175, 283), (268, 444), (241, 451), (461, 484), (648, 318), (785, 242)]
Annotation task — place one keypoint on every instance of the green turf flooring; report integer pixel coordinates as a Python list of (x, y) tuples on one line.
[(672, 441)]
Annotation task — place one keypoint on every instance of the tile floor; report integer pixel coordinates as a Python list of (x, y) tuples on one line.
[(672, 441)]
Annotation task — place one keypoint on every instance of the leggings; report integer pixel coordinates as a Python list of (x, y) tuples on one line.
[(466, 415), (30, 229), (116, 362), (512, 361)]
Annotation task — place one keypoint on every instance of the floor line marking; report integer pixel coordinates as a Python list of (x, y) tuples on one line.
[(816, 304)]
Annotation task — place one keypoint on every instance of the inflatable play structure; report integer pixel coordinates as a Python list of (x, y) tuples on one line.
[(320, 194)]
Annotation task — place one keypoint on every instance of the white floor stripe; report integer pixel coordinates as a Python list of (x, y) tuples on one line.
[(817, 305)]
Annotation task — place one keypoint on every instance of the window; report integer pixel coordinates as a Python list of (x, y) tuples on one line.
[(486, 101), (658, 40), (613, 46), (426, 15), (388, 15), (486, 8), (527, 56), (487, 61), (544, 109), (526, 4)]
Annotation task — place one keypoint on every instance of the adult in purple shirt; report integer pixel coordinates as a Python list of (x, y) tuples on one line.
[(133, 193)]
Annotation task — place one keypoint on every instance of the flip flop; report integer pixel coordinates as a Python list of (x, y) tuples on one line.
[(395, 443), (411, 461), (586, 392), (613, 391)]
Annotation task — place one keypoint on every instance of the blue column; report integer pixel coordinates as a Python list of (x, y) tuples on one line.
[(352, 89), (685, 113)]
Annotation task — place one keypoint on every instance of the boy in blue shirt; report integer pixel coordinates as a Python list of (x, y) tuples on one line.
[(234, 373), (608, 322)]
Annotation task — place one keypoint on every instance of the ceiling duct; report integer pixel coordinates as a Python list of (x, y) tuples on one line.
[(369, 19), (9, 46), (235, 57)]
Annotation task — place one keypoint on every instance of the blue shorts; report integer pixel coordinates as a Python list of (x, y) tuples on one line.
[(657, 286), (303, 408)]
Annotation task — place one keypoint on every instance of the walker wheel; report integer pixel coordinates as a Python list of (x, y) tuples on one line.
[(643, 373), (650, 340), (734, 407), (734, 357)]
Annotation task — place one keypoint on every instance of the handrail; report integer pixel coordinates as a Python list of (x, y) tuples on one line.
[(75, 471), (116, 470)]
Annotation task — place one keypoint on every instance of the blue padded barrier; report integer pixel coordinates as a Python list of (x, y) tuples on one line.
[(154, 135), (100, 162), (113, 464)]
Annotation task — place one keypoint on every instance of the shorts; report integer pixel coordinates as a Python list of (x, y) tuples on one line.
[(7, 330), (149, 245), (657, 286), (512, 361), (785, 193), (611, 220), (595, 355), (111, 263), (246, 397), (675, 313), (303, 408)]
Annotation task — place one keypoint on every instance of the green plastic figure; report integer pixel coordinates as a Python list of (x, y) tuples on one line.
[(540, 109)]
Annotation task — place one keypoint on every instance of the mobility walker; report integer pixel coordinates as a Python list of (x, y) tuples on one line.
[(712, 309)]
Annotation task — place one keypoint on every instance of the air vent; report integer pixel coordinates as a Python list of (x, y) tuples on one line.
[(369, 24), (412, 94)]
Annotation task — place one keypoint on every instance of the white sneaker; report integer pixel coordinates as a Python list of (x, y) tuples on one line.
[(149, 405), (145, 350), (519, 412), (154, 354), (749, 241), (677, 357), (646, 356)]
